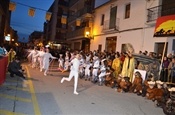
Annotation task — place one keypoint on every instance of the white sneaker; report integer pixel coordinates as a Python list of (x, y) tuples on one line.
[(76, 93), (45, 74), (41, 70), (62, 80)]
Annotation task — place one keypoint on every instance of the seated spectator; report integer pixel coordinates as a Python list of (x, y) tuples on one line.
[(15, 67)]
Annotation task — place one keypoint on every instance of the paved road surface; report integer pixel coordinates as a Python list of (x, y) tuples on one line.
[(45, 95)]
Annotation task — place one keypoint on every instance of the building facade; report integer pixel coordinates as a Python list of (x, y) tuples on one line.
[(4, 19), (80, 24), (54, 29), (119, 22)]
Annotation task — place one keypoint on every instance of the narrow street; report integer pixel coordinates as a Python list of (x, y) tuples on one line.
[(45, 95)]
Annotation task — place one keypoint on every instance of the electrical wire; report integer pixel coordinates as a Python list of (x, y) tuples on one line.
[(29, 6)]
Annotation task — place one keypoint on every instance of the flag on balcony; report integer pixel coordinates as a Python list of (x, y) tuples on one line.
[(64, 19), (31, 12), (48, 16), (165, 26), (78, 22), (12, 6)]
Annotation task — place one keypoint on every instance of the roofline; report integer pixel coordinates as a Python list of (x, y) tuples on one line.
[(104, 4)]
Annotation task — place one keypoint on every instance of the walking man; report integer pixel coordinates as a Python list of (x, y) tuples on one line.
[(75, 63)]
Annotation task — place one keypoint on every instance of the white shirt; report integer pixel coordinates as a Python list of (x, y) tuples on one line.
[(75, 65)]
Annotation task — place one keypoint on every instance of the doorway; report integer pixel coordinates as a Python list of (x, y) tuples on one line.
[(159, 47), (111, 44)]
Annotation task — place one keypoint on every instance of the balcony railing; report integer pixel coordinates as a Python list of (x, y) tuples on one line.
[(79, 13), (72, 2), (107, 27), (77, 33), (158, 11)]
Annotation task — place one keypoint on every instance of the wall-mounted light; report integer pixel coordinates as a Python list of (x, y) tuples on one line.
[(88, 35)]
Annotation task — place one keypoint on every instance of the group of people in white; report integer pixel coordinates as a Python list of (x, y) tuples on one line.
[(78, 63), (42, 56)]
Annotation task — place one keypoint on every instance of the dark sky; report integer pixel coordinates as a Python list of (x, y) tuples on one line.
[(25, 24)]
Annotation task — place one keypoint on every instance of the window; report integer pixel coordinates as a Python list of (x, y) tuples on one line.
[(127, 11), (102, 19), (113, 14)]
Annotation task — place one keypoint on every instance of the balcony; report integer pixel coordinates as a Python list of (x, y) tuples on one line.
[(109, 27), (79, 33), (64, 3), (72, 2), (79, 13), (158, 11)]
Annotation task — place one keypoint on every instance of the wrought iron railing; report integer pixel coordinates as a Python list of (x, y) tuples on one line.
[(77, 33), (158, 11), (72, 2), (106, 25), (79, 13)]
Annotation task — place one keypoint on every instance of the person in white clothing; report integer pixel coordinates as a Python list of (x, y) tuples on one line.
[(40, 56), (66, 62), (75, 63), (33, 54), (102, 74), (46, 60), (96, 66)]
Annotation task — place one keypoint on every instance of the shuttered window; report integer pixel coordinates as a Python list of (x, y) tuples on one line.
[(113, 14)]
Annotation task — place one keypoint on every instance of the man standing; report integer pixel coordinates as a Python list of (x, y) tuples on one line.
[(75, 63)]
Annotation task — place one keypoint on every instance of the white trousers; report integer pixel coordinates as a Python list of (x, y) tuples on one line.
[(75, 75)]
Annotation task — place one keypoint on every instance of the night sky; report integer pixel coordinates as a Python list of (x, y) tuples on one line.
[(25, 24)]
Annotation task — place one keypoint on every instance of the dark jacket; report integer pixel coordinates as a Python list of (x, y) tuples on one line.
[(14, 66)]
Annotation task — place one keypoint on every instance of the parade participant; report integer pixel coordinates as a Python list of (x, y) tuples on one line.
[(88, 57), (72, 56), (61, 63), (40, 56), (96, 65), (129, 62), (15, 68), (103, 68), (87, 66), (116, 65), (46, 58), (128, 66), (33, 54), (66, 62), (75, 63), (11, 55), (81, 71)]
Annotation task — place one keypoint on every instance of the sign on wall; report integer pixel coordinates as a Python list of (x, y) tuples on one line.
[(165, 26)]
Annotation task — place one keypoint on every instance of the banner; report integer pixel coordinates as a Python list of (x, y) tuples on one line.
[(31, 12), (64, 19), (165, 26), (48, 16), (78, 22), (12, 6)]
